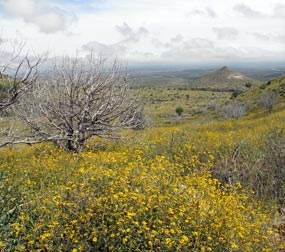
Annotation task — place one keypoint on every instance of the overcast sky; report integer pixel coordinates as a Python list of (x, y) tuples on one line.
[(155, 31)]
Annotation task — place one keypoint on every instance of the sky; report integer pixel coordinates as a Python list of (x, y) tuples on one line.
[(149, 31)]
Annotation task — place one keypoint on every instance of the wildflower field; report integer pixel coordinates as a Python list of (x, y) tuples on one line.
[(191, 187)]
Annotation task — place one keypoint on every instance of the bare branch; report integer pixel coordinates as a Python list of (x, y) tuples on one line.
[(17, 75), (268, 101), (79, 100), (234, 110)]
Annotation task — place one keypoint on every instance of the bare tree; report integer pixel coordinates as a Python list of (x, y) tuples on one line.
[(234, 110), (18, 72), (80, 99), (268, 101)]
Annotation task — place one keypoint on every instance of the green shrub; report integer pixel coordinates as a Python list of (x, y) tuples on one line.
[(179, 111)]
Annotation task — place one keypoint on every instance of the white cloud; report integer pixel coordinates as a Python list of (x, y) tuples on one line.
[(247, 11), (207, 11), (227, 33), (117, 49), (113, 50), (48, 18), (131, 35), (217, 53), (261, 36), (177, 39), (279, 11), (157, 43), (151, 30), (280, 39), (211, 12), (189, 50), (198, 43)]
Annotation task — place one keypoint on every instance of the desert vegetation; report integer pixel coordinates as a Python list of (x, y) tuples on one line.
[(179, 111), (234, 110), (267, 101), (173, 188), (205, 182)]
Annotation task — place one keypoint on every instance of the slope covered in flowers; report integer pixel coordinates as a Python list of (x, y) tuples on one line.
[(156, 191)]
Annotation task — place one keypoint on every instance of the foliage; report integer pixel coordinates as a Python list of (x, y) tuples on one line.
[(179, 111), (160, 103), (155, 192), (248, 84), (260, 168), (268, 95), (236, 93), (201, 186)]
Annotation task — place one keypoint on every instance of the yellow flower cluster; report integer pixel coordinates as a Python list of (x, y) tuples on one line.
[(153, 193)]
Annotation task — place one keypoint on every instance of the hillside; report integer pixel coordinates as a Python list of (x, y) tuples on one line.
[(197, 77), (275, 86), (224, 79), (184, 184), (177, 188)]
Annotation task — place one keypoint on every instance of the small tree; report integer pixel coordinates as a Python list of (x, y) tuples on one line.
[(268, 101), (234, 110), (248, 84), (179, 111), (236, 93), (78, 100)]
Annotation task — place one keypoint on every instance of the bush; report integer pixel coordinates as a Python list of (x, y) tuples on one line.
[(268, 101), (236, 93), (234, 110), (248, 84), (179, 111), (151, 193), (121, 201)]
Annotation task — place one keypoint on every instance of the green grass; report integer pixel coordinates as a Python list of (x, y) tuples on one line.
[(251, 97), (196, 182), (160, 103)]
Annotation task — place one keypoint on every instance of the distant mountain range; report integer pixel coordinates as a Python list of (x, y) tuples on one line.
[(224, 79), (222, 75)]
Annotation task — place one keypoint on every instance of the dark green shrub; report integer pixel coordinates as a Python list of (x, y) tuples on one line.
[(179, 111)]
